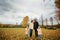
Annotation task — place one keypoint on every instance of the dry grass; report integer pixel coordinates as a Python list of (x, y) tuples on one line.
[(18, 34)]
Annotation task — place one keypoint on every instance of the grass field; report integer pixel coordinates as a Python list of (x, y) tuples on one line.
[(18, 34)]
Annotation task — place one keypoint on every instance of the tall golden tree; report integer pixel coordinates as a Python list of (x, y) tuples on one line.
[(25, 21)]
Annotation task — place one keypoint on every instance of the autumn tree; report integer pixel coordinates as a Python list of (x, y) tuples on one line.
[(46, 21), (42, 19), (51, 20), (58, 14), (57, 3), (25, 21), (56, 19)]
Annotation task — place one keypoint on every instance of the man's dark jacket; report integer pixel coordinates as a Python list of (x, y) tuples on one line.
[(36, 25)]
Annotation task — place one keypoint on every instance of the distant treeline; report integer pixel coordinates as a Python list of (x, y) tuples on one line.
[(50, 26), (9, 26), (20, 26)]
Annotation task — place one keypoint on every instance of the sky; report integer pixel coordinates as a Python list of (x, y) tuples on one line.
[(12, 11)]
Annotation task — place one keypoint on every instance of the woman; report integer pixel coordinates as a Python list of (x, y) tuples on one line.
[(31, 28)]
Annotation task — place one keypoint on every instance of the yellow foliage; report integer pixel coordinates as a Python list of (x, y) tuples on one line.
[(57, 2), (25, 21)]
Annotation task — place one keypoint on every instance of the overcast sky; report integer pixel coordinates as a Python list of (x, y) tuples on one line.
[(12, 11)]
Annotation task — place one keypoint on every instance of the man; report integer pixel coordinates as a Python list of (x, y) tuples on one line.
[(36, 27)]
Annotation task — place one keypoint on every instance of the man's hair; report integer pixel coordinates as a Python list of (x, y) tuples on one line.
[(35, 19)]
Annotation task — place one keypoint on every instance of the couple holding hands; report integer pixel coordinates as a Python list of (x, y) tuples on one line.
[(33, 25)]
